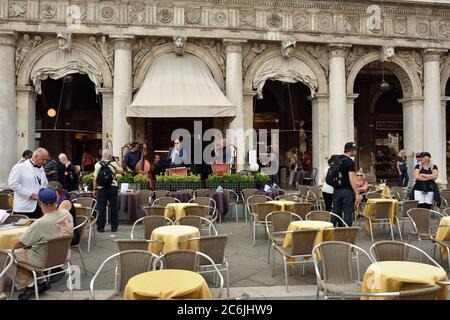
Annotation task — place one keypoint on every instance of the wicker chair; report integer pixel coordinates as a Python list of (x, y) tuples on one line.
[(80, 222), (374, 195), (144, 198), (214, 247), (129, 263), (255, 199), (136, 244), (190, 191), (154, 211), (313, 196), (90, 213), (421, 220), (289, 197), (380, 217), (301, 209), (56, 257), (334, 271), (445, 194), (233, 200), (247, 193), (418, 292), (302, 245), (397, 251), (402, 217), (4, 201), (150, 224), (345, 234), (196, 221), (191, 261), (6, 262), (275, 222), (164, 201), (86, 202), (206, 212), (443, 244), (323, 216), (208, 202), (258, 217), (12, 218), (160, 193), (303, 190), (202, 192)]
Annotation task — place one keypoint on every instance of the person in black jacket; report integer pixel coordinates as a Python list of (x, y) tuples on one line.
[(67, 174), (425, 189)]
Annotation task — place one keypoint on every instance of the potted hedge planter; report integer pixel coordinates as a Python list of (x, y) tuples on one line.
[(88, 181), (261, 180), (142, 180), (125, 178), (214, 181)]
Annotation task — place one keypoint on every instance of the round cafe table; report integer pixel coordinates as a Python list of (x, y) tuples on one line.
[(282, 203), (9, 235), (322, 235), (392, 276), (167, 284), (443, 234), (369, 210), (171, 236), (176, 210)]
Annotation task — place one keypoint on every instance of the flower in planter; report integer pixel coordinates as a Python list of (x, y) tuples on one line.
[(88, 180), (142, 180)]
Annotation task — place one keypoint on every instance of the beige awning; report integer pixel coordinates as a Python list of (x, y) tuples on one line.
[(179, 86)]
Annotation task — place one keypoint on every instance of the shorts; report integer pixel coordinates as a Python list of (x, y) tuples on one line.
[(424, 197)]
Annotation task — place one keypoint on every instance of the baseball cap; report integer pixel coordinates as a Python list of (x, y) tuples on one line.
[(350, 146), (426, 154), (47, 196), (419, 155)]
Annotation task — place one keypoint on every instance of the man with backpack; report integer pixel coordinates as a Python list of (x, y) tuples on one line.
[(106, 184), (342, 177)]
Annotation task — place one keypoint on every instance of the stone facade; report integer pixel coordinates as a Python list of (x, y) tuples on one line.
[(116, 42)]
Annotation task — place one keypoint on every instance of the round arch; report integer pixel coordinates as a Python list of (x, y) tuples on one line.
[(316, 69), (24, 72), (445, 76), (193, 49), (408, 77)]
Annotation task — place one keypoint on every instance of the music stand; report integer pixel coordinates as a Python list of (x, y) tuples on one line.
[(179, 171)]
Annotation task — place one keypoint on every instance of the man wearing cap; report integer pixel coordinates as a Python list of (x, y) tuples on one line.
[(346, 196), (55, 223)]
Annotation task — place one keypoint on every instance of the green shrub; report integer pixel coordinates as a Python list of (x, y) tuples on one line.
[(262, 178), (125, 178)]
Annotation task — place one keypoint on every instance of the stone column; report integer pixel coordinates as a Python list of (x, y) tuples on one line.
[(444, 101), (26, 119), (235, 93), (412, 129), (433, 122), (8, 125), (337, 111), (107, 119), (122, 90), (320, 126), (351, 116)]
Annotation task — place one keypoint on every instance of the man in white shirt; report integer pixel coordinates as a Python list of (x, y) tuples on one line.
[(26, 179), (177, 155)]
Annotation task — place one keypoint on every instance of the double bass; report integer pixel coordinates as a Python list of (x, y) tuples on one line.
[(144, 166)]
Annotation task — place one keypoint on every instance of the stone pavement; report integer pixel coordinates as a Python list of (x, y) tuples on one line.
[(249, 271)]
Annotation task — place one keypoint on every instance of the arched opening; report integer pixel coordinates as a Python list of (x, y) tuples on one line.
[(69, 117), (378, 121), (447, 132), (285, 106)]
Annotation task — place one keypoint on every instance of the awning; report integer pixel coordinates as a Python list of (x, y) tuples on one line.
[(179, 86)]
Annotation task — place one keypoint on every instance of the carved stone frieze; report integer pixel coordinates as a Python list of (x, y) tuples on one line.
[(423, 28), (17, 9), (220, 18), (136, 12), (326, 22), (255, 49), (300, 22), (247, 18), (108, 13), (320, 53), (274, 20), (76, 13), (351, 24), (216, 49), (24, 47), (192, 15), (353, 54), (48, 11), (165, 14), (143, 46), (444, 29), (400, 25), (415, 59), (105, 48)]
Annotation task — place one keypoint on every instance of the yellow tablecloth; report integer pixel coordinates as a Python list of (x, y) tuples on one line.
[(167, 284), (443, 234), (282, 203), (10, 236), (385, 191), (176, 210), (391, 276), (171, 235), (323, 235), (370, 210)]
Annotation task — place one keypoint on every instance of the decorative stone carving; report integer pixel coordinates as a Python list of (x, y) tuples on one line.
[(386, 53), (165, 14), (247, 18), (274, 20), (326, 23), (374, 20), (17, 9), (215, 49), (142, 46), (287, 48), (400, 25), (220, 18), (105, 48), (351, 24), (354, 54), (415, 60), (256, 49), (76, 13), (48, 11), (180, 43), (24, 47), (136, 12), (320, 53), (300, 22), (64, 41), (192, 16), (423, 28), (108, 13), (444, 63), (444, 29)]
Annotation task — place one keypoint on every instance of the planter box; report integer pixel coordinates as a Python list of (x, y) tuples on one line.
[(213, 185)]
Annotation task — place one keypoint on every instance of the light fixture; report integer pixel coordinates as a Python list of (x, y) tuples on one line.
[(384, 86), (51, 112)]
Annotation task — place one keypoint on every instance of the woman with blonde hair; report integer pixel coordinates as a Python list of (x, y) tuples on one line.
[(425, 189), (402, 169)]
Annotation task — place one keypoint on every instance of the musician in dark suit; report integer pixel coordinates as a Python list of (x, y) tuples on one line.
[(132, 157)]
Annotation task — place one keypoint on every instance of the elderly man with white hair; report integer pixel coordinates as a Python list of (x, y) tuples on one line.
[(106, 189), (67, 173), (26, 179)]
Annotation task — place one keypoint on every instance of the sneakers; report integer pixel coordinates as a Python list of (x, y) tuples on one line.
[(29, 291), (113, 229)]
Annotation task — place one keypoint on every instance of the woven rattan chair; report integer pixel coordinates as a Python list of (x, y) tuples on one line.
[(86, 202), (302, 245), (301, 209), (247, 193), (202, 192), (278, 221), (150, 224), (91, 213), (333, 269), (380, 217), (417, 292), (6, 262), (374, 195), (402, 217), (445, 194), (233, 200), (214, 247), (303, 190), (208, 202), (12, 218), (56, 257), (252, 200), (4, 201), (345, 234), (154, 211), (421, 221), (164, 201), (313, 196), (144, 197), (80, 222), (325, 216), (206, 212), (289, 197), (159, 194), (258, 217), (128, 264), (136, 244), (198, 222)]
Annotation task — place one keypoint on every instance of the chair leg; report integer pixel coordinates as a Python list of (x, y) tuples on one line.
[(13, 285), (89, 238), (82, 260), (398, 229), (36, 292), (371, 230), (285, 273), (303, 269), (357, 266), (392, 230), (273, 264), (228, 282), (268, 251), (254, 233), (70, 281), (318, 293)]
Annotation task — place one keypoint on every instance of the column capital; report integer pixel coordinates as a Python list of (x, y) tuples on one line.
[(433, 54), (24, 88), (122, 41), (319, 97), (338, 49), (105, 91), (8, 38), (234, 45), (352, 96), (409, 100)]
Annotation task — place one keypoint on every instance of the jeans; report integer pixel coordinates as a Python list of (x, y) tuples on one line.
[(343, 200), (105, 195), (403, 179), (328, 198)]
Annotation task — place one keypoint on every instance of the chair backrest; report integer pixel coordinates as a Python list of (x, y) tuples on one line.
[(212, 246), (6, 261), (150, 224), (255, 199), (190, 191), (164, 201), (201, 192), (318, 215), (14, 218), (345, 234), (233, 197), (56, 251), (301, 209), (315, 191), (446, 211), (134, 244), (79, 223), (400, 192), (420, 292), (160, 193), (281, 220), (446, 195), (289, 197), (154, 210), (144, 197), (406, 205), (204, 201), (303, 190), (374, 195), (389, 251), (4, 201), (420, 218), (83, 211), (193, 221), (303, 241), (86, 202), (199, 211), (381, 209), (246, 193), (261, 210)]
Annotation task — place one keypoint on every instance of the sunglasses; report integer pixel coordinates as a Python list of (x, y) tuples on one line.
[(359, 175)]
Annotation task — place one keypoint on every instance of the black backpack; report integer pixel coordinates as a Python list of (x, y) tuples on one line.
[(335, 176), (105, 176)]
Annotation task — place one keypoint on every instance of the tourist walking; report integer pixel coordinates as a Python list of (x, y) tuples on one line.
[(402, 169), (327, 190)]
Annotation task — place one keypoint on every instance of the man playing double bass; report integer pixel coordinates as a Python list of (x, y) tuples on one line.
[(132, 157)]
